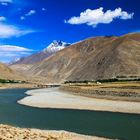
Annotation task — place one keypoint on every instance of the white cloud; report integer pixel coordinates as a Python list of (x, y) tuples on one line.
[(10, 52), (31, 12), (7, 31), (97, 16), (2, 18), (5, 2), (10, 48)]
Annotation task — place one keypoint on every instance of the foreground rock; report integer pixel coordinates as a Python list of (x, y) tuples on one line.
[(13, 133)]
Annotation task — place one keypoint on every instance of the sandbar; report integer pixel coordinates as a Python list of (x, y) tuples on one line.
[(56, 99)]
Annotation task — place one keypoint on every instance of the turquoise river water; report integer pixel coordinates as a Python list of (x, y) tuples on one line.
[(106, 124)]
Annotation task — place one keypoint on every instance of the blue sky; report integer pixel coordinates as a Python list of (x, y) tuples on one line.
[(27, 26)]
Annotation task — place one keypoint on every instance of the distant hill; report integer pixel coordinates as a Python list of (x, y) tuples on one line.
[(92, 59), (55, 46), (23, 64), (6, 72)]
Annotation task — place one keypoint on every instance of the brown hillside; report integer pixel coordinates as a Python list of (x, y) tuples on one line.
[(93, 58), (7, 73)]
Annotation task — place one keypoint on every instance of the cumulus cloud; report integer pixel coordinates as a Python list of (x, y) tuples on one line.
[(98, 16), (7, 31), (11, 52), (31, 12)]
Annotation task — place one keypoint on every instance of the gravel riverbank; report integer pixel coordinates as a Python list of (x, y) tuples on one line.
[(15, 133)]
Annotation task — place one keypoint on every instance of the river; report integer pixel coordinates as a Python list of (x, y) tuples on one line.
[(98, 123)]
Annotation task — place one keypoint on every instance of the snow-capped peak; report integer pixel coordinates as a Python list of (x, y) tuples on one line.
[(14, 61), (55, 46)]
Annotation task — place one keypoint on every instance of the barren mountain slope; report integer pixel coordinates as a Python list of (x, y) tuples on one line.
[(23, 64), (7, 73), (93, 58)]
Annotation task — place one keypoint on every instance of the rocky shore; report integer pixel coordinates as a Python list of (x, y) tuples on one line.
[(14, 133)]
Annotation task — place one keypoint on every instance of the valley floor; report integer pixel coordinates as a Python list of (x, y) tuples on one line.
[(55, 98), (124, 91)]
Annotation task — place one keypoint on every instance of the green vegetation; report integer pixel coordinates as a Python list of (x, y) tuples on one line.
[(6, 81), (128, 77), (85, 81), (117, 80), (105, 80)]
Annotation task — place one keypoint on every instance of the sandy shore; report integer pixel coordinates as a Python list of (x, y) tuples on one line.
[(14, 133), (53, 98)]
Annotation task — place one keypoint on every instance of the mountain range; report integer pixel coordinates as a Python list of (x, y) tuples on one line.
[(94, 58), (55, 46), (23, 64)]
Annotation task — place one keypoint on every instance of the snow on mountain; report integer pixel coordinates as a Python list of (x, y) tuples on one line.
[(55, 46)]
